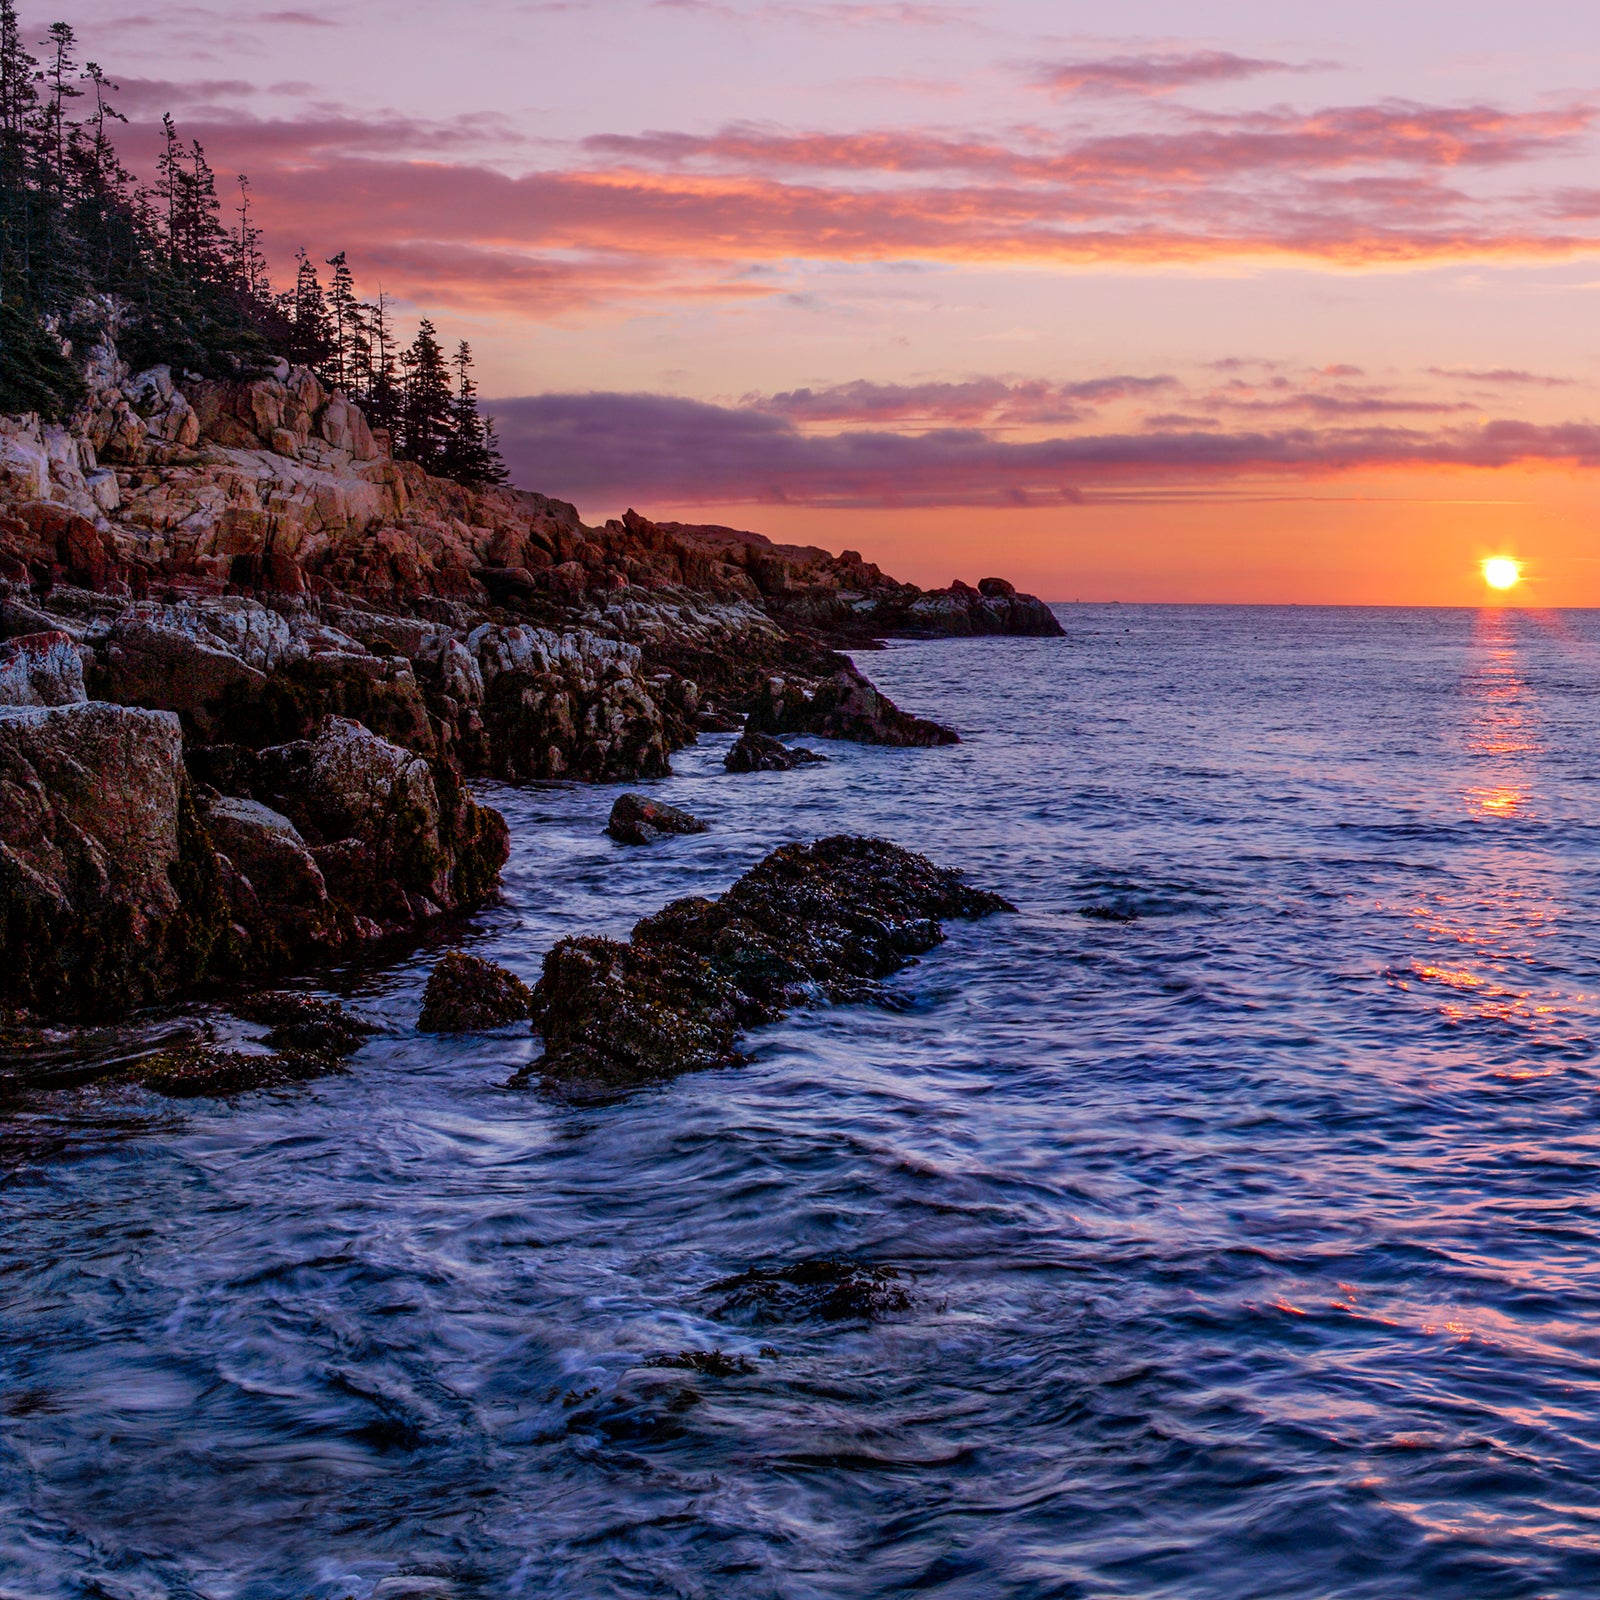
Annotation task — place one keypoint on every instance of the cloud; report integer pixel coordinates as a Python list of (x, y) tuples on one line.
[(661, 449), (987, 401), (1198, 148), (1158, 73), (297, 19), (672, 213), (1511, 376)]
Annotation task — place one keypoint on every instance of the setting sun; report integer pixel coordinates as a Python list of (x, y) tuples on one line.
[(1501, 572)]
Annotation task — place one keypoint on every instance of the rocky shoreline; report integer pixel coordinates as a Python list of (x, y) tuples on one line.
[(249, 664)]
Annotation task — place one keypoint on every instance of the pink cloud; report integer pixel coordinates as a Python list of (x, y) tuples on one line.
[(1158, 73)]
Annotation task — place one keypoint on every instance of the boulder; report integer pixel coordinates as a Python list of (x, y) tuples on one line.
[(845, 706), (287, 885), (110, 895), (636, 819), (822, 921), (166, 658), (397, 838), (467, 994), (41, 669), (759, 752)]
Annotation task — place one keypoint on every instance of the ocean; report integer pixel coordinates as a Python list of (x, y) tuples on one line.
[(1245, 1232)]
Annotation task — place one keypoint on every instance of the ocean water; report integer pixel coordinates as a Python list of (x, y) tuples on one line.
[(1250, 1247)]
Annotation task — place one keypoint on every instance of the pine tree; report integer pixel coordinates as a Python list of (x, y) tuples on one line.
[(249, 265), (472, 455), (428, 410), (345, 357), (306, 308), (379, 392), (60, 75)]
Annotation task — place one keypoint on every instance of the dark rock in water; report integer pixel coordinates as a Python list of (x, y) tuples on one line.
[(636, 819), (195, 1071), (309, 1038), (844, 706), (1107, 914), (710, 1363), (823, 921), (835, 1290), (760, 752), (466, 994), (303, 1022)]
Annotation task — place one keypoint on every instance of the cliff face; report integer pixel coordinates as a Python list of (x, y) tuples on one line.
[(313, 643)]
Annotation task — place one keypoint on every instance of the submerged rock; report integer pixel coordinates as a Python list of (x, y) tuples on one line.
[(466, 994), (309, 1038), (636, 819), (196, 1071), (824, 921), (760, 752), (303, 1022), (826, 1287), (708, 1363)]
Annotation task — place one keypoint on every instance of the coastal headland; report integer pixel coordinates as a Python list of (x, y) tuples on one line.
[(249, 662)]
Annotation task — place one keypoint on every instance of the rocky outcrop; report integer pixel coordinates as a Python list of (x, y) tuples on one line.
[(122, 883), (109, 893), (467, 994), (636, 819), (352, 837), (845, 705), (239, 573), (841, 598), (760, 752), (824, 921)]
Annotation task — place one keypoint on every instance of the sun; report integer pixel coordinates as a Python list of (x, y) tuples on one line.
[(1501, 572)]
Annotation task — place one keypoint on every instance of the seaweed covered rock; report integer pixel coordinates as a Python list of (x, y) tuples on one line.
[(307, 1038), (760, 752), (636, 819), (466, 994), (823, 921), (846, 705)]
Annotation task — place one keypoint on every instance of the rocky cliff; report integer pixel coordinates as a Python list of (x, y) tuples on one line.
[(247, 659)]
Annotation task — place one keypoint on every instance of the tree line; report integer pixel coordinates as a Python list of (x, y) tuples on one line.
[(84, 243)]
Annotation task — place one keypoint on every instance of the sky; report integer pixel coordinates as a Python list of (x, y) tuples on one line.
[(1237, 300)]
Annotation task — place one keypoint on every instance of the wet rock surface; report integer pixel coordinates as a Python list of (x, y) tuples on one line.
[(760, 752), (827, 921), (637, 819), (467, 994), (845, 705), (197, 1071)]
